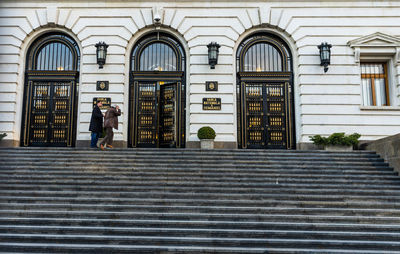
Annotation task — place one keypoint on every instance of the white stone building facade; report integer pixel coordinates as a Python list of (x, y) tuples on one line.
[(359, 92)]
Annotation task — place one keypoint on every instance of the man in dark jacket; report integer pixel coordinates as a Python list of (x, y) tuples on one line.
[(110, 122), (96, 124)]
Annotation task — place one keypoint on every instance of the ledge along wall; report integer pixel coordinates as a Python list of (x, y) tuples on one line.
[(324, 102), (389, 149)]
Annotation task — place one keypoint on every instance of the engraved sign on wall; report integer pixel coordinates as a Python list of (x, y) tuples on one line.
[(102, 86), (211, 103), (106, 102)]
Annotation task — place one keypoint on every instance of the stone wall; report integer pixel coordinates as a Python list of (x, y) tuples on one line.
[(389, 149)]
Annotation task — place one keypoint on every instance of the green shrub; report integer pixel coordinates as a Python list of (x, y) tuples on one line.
[(2, 136), (336, 139), (206, 132)]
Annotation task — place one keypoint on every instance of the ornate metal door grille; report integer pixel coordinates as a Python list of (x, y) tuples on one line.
[(264, 93), (264, 116), (49, 113), (157, 114)]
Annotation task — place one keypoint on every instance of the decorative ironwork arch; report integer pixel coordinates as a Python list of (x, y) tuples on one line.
[(50, 94), (54, 52), (157, 92), (158, 52), (265, 93), (263, 52)]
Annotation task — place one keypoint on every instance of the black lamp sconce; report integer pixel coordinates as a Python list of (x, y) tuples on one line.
[(101, 53), (325, 54), (213, 50)]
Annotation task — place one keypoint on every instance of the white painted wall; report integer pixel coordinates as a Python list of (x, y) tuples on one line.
[(325, 102)]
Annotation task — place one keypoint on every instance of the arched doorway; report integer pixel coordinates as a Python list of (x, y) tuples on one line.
[(157, 92), (50, 96), (265, 93)]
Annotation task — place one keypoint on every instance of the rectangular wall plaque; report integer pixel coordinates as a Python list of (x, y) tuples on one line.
[(102, 86), (106, 102), (211, 103), (211, 86)]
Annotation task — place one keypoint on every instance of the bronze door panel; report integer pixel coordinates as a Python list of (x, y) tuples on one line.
[(264, 116), (49, 113), (168, 115), (156, 113)]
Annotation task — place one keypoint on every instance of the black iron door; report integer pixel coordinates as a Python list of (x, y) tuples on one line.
[(265, 115), (49, 113), (168, 115), (157, 114), (146, 114)]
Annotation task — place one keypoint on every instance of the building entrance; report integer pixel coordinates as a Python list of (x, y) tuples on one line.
[(50, 92), (157, 93), (265, 94), (157, 114)]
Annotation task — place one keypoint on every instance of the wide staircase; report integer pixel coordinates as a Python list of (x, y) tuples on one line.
[(197, 201)]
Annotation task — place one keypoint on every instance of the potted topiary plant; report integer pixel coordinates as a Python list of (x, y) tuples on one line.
[(206, 135), (337, 141)]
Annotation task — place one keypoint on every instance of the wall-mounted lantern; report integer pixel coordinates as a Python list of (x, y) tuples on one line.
[(325, 54), (213, 49), (101, 53)]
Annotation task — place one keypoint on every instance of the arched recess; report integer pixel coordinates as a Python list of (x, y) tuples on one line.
[(50, 93), (265, 108), (157, 92)]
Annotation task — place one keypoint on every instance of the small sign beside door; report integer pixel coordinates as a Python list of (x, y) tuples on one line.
[(211, 86), (106, 102), (211, 103), (102, 86)]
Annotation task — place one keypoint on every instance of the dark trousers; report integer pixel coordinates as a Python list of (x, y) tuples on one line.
[(94, 138), (109, 137)]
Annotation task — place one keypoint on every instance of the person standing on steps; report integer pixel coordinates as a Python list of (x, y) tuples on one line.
[(96, 124), (110, 122)]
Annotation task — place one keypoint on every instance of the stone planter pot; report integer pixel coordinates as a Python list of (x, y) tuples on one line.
[(338, 148), (206, 143)]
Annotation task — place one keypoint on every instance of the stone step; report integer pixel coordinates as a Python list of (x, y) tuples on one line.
[(120, 171), (131, 193), (199, 241), (167, 157), (49, 150), (256, 202), (256, 217), (273, 188), (216, 224), (217, 167), (200, 232), (42, 178), (106, 249), (210, 163), (109, 206), (198, 179)]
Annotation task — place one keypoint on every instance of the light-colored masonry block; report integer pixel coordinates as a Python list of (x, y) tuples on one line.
[(324, 102)]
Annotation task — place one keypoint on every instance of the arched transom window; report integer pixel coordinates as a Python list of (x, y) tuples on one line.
[(263, 53), (55, 52), (158, 52)]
